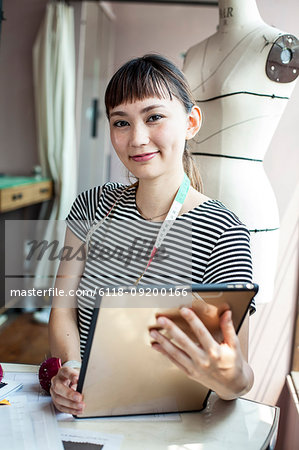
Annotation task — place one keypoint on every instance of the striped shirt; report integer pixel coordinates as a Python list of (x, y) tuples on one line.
[(208, 244)]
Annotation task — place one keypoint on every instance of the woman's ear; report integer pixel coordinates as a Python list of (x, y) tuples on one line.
[(194, 122)]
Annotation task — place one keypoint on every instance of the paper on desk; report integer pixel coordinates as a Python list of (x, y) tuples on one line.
[(34, 392), (8, 387), (29, 426), (31, 387), (105, 440)]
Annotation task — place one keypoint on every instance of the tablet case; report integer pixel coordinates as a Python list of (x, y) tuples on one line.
[(122, 375)]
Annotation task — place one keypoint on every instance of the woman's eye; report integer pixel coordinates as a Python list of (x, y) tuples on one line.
[(154, 118), (120, 123)]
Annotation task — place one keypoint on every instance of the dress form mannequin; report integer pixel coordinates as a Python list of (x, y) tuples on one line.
[(242, 77)]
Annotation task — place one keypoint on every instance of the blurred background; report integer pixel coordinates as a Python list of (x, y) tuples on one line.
[(102, 36)]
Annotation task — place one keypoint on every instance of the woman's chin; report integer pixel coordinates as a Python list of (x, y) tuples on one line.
[(145, 173)]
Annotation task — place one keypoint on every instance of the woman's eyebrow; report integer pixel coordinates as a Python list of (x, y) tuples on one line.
[(149, 108), (144, 110), (117, 113)]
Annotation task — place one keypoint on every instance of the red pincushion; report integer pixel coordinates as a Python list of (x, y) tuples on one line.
[(1, 373), (48, 369)]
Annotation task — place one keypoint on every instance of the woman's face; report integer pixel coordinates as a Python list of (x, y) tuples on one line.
[(149, 136)]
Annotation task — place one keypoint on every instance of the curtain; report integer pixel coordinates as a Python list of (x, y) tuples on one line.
[(54, 88)]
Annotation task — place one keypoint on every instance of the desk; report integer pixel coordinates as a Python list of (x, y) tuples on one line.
[(17, 192), (233, 425), (20, 196)]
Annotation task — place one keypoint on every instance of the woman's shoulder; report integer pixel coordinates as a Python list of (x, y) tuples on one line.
[(91, 204), (88, 201), (218, 209), (111, 188), (201, 207), (214, 213), (114, 188)]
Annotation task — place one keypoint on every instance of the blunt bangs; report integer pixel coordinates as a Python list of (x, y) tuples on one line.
[(145, 77)]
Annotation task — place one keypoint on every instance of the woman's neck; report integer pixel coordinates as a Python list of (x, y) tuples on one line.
[(242, 14), (155, 196)]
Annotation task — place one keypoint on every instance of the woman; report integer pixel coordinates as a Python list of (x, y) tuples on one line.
[(152, 115)]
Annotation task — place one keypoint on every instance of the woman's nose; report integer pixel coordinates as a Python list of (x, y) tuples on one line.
[(139, 135)]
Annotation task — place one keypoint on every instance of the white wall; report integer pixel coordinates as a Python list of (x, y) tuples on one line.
[(171, 30)]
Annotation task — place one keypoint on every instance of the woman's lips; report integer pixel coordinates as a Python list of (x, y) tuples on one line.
[(144, 156)]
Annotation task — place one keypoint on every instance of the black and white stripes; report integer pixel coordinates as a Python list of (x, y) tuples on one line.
[(208, 244)]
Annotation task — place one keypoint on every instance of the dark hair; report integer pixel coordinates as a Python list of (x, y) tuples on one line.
[(153, 76)]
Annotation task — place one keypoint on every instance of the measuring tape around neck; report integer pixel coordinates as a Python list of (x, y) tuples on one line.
[(168, 222), (165, 227)]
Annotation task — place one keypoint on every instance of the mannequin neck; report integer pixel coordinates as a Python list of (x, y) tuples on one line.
[(242, 14)]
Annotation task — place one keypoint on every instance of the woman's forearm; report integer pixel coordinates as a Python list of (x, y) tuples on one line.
[(63, 328), (63, 334)]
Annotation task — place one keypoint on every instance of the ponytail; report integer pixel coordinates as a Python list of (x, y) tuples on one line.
[(192, 170)]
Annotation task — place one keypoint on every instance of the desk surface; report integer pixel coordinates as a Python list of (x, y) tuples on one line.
[(222, 425), (7, 181)]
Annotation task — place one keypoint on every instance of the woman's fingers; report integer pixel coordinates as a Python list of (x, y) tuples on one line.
[(186, 354), (63, 404), (204, 337), (218, 366), (228, 330), (65, 378), (171, 349), (183, 341), (62, 391), (160, 349)]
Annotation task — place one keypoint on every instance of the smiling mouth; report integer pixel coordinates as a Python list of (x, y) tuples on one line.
[(144, 156)]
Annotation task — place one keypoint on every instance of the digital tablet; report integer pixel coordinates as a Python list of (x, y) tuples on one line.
[(121, 374)]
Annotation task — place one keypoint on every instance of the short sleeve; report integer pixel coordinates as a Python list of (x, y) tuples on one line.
[(230, 260), (82, 213)]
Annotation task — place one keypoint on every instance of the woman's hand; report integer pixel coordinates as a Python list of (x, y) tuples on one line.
[(63, 391), (218, 366)]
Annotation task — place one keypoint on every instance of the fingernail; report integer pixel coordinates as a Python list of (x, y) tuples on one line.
[(153, 334), (229, 315), (185, 311), (161, 321), (77, 398)]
